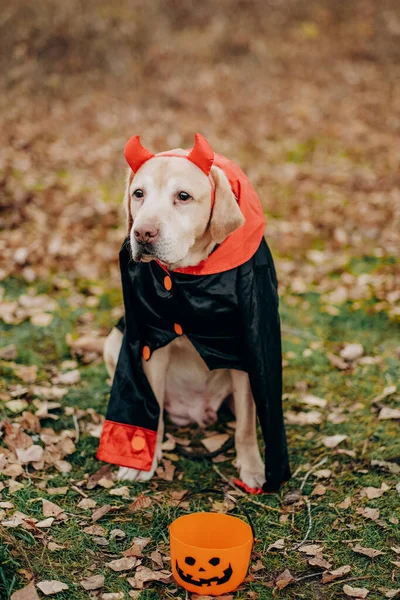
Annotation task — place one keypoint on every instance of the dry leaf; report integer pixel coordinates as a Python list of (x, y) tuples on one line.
[(140, 503), (8, 352), (27, 374), (100, 512), (45, 523), (117, 534), (329, 576), (392, 593), (311, 400), (395, 549), (331, 441), (389, 413), (93, 582), (87, 503), (68, 378), (367, 551), (41, 319), (318, 561), (137, 547), (113, 596), (346, 503), (106, 483), (144, 574), (50, 509), (278, 545), (167, 471), (96, 530), (372, 492), (57, 491), (29, 455), (123, 492), (311, 549), (391, 467), (51, 587), (312, 417), (284, 579), (122, 564), (156, 559), (319, 490), (337, 362), (27, 593), (387, 391), (369, 513), (322, 474), (16, 406), (214, 442), (352, 351), (355, 592)]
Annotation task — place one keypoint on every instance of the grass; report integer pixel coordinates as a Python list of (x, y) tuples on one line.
[(309, 333)]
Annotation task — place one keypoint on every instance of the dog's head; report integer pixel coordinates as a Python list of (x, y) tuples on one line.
[(178, 207)]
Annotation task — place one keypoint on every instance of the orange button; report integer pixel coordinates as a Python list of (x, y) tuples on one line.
[(178, 329), (167, 282), (138, 442), (146, 352)]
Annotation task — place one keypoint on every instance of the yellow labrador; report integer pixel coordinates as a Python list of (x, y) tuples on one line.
[(168, 206)]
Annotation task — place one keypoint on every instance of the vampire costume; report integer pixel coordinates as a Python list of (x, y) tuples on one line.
[(227, 306)]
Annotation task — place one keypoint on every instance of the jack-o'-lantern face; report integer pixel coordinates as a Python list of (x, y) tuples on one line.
[(209, 573)]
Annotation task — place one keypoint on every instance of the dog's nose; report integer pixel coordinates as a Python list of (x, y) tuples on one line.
[(146, 233)]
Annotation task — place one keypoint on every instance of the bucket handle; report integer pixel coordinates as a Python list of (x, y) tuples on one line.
[(225, 495)]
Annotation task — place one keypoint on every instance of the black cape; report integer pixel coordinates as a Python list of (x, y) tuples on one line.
[(232, 320)]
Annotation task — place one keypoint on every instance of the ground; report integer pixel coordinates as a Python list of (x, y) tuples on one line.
[(303, 95)]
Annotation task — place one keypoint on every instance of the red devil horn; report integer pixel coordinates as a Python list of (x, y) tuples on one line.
[(135, 154), (202, 154)]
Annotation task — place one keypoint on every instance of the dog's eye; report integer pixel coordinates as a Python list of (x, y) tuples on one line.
[(138, 193), (184, 196)]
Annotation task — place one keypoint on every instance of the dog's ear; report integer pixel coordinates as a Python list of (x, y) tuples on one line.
[(127, 201), (226, 215)]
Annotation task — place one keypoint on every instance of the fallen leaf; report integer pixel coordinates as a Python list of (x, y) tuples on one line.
[(319, 490), (387, 391), (96, 530), (389, 413), (99, 513), (369, 513), (352, 351), (93, 582), (27, 593), (311, 549), (395, 549), (329, 576), (113, 596), (391, 467), (312, 417), (28, 374), (311, 400), (50, 509), (156, 559), (392, 593), (104, 471), (122, 564), (144, 574), (278, 545), (346, 503), (87, 503), (140, 503), (123, 492), (31, 454), (117, 534), (284, 579), (337, 362), (45, 523), (41, 319), (8, 352), (68, 378), (355, 592), (137, 546), (372, 492), (51, 587), (367, 551), (167, 471), (16, 406), (331, 441), (215, 442), (322, 474), (318, 561)]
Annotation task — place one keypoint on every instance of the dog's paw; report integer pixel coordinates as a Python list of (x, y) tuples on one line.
[(252, 477), (127, 474)]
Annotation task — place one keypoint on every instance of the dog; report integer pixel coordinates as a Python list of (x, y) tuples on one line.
[(182, 216)]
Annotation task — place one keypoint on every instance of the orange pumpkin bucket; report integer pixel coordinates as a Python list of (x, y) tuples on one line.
[(210, 552)]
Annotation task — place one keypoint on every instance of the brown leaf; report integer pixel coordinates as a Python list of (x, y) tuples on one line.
[(284, 579), (346, 503), (99, 513), (372, 492), (140, 503), (156, 559), (50, 509), (27, 374), (319, 490), (167, 471), (331, 441), (215, 442), (8, 352), (87, 503), (68, 378), (389, 413), (51, 587), (312, 417), (329, 576), (96, 530), (27, 593), (318, 561), (122, 564), (369, 513), (392, 593), (29, 455), (144, 574), (113, 596), (45, 523), (278, 545), (352, 351), (311, 549), (337, 362), (387, 391), (355, 592), (93, 582), (137, 547), (367, 551), (104, 471)]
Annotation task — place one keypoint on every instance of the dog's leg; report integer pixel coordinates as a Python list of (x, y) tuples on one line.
[(111, 350), (156, 372), (248, 461)]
